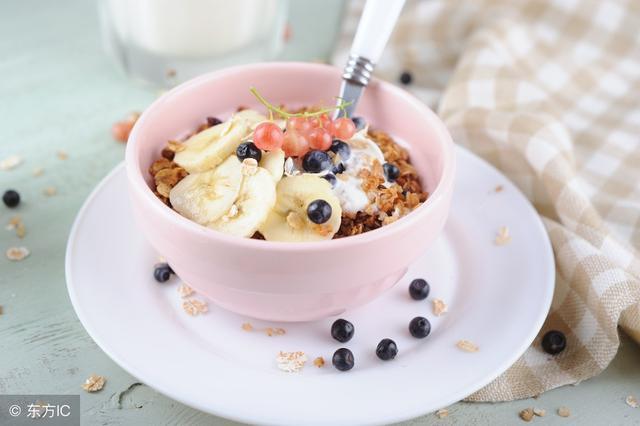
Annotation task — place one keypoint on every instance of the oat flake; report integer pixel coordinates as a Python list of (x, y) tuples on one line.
[(467, 346), (185, 291), (503, 237), (249, 166), (564, 412), (50, 191), (274, 331), (247, 327), (439, 307), (319, 362), (195, 307), (631, 401), (62, 155), (10, 162), (17, 253), (526, 414), (442, 413), (94, 383), (38, 171), (540, 412), (291, 362)]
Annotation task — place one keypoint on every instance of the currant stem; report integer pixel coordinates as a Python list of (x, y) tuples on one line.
[(272, 108)]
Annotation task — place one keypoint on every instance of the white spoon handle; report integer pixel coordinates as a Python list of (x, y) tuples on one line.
[(376, 24)]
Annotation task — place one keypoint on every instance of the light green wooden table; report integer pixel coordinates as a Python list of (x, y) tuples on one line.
[(59, 92)]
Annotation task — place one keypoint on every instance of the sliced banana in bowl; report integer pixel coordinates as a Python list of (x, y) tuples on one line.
[(289, 221), (273, 161), (205, 197)]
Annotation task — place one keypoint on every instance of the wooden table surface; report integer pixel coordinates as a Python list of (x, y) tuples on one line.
[(58, 91)]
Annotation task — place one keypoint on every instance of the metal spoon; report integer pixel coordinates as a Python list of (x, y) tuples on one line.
[(375, 26)]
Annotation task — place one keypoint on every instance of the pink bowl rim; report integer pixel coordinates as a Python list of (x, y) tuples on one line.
[(138, 183)]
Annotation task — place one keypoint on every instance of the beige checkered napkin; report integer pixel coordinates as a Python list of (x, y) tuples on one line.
[(548, 92)]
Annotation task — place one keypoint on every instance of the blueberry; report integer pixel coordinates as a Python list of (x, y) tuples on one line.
[(342, 330), (340, 148), (359, 122), (11, 198), (406, 78), (213, 121), (554, 342), (343, 359), (391, 171), (248, 150), (319, 211), (419, 289), (338, 168), (331, 179), (419, 327), (316, 161), (386, 349), (162, 273)]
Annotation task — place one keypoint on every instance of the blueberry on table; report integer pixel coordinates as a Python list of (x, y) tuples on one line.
[(554, 342), (331, 179), (386, 349), (213, 121), (162, 272), (359, 122), (342, 330), (248, 150), (419, 327), (343, 359), (391, 171), (316, 161), (340, 148), (406, 78), (319, 211), (419, 289), (11, 198)]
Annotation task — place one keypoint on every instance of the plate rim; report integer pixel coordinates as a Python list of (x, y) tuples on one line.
[(545, 305)]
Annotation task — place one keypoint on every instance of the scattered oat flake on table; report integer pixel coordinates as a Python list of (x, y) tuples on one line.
[(185, 291), (291, 362), (499, 188), (13, 223), (38, 171), (62, 155), (540, 412), (319, 362), (50, 191), (195, 307), (526, 414), (439, 307), (442, 413), (274, 331), (17, 253), (631, 401), (503, 237), (564, 412), (247, 326), (467, 346), (21, 231), (10, 162), (94, 383)]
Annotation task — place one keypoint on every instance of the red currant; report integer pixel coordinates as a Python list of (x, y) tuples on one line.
[(299, 124), (320, 139), (268, 136), (343, 128), (295, 144)]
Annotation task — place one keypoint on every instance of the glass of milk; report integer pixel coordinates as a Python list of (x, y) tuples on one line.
[(165, 42)]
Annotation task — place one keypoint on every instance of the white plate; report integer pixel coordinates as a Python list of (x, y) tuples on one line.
[(497, 296)]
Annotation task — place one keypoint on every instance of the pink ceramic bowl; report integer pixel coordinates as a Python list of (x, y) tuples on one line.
[(289, 281)]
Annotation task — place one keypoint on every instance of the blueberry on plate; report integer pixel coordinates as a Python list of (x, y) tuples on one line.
[(406, 78), (316, 161), (331, 179), (386, 349), (343, 359), (11, 198), (419, 327), (359, 122), (213, 121), (162, 272), (319, 211), (340, 148), (419, 289), (248, 150), (342, 330), (391, 171), (554, 342)]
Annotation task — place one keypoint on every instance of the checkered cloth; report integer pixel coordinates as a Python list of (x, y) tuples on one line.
[(549, 93)]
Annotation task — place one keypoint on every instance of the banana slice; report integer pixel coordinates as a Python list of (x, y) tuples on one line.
[(256, 199), (250, 117), (273, 161), (205, 150), (288, 221), (207, 196)]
